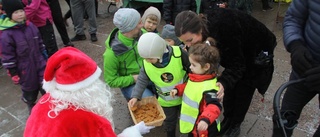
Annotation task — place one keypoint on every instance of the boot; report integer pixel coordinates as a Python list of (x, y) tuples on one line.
[(233, 131), (29, 104)]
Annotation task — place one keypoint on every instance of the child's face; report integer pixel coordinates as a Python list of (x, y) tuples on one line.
[(152, 60), (170, 42), (196, 67), (18, 16), (150, 25)]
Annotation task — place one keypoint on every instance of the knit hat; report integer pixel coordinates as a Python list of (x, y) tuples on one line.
[(10, 6), (151, 45), (126, 19), (153, 11), (69, 69), (169, 33)]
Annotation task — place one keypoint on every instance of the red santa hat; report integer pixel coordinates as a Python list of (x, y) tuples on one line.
[(69, 69)]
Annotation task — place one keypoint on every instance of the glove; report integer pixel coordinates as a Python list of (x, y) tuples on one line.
[(143, 128), (15, 79), (312, 80), (301, 58)]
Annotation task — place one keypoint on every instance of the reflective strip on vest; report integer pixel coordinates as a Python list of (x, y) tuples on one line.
[(173, 71), (192, 96)]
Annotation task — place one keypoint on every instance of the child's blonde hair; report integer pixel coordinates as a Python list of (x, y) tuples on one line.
[(206, 53)]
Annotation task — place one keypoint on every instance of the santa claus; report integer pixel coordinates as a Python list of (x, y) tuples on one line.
[(77, 102)]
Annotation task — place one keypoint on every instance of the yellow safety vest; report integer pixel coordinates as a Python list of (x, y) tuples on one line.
[(192, 96), (165, 79)]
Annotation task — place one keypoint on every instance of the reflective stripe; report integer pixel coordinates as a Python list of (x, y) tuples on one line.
[(190, 102), (188, 119), (10, 63)]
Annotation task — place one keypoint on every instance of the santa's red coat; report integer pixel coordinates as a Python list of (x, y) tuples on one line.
[(69, 123)]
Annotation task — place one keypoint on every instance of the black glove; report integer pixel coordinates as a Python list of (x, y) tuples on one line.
[(301, 58), (313, 78)]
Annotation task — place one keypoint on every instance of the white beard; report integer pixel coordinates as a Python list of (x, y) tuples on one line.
[(95, 98)]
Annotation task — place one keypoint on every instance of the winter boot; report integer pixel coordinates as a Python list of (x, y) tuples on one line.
[(29, 104), (233, 131)]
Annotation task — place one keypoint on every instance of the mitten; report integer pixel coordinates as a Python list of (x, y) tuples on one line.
[(301, 58), (143, 128), (312, 80), (15, 79)]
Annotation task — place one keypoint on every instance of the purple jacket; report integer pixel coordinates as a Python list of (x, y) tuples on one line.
[(22, 49)]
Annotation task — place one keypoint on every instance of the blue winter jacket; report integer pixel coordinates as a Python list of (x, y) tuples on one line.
[(302, 22)]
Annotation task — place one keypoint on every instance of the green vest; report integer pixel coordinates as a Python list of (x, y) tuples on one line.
[(165, 79), (192, 96)]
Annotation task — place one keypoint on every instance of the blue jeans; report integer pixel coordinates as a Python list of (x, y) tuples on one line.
[(126, 92)]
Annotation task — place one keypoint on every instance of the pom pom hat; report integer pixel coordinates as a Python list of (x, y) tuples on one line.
[(69, 69), (151, 45)]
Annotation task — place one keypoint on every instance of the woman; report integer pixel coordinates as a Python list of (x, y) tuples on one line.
[(246, 46)]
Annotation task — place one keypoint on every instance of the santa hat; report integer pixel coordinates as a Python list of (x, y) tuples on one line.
[(69, 69)]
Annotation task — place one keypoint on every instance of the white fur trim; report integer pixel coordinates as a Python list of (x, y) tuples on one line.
[(51, 85), (130, 132)]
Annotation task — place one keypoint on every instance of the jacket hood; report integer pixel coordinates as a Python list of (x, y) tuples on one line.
[(6, 23)]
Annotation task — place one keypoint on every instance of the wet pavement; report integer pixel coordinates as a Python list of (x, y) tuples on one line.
[(258, 122)]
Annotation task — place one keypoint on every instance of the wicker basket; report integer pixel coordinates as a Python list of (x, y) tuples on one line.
[(153, 100)]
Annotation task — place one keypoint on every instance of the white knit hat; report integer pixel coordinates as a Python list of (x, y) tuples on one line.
[(151, 11), (151, 45), (69, 69)]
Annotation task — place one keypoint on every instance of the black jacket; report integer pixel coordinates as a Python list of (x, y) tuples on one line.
[(171, 8), (240, 38)]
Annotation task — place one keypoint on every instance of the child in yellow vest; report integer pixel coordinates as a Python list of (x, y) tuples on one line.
[(200, 106), (166, 66)]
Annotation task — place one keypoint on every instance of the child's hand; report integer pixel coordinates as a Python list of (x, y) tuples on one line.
[(220, 93), (132, 102), (173, 92), (202, 126)]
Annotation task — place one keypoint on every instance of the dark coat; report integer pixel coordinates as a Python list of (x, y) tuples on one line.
[(240, 38), (22, 50), (171, 8)]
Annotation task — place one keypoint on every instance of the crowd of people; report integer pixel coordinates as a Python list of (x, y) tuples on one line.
[(179, 65)]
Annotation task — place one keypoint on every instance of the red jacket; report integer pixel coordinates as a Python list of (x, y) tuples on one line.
[(69, 123), (209, 108)]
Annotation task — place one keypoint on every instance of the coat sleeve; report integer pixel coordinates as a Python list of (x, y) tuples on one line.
[(185, 61), (111, 75), (141, 85), (8, 49), (211, 107), (294, 22)]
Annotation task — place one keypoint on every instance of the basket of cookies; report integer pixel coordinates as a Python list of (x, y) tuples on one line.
[(149, 111)]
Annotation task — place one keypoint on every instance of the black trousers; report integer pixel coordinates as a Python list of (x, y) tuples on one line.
[(294, 99), (48, 37), (58, 20)]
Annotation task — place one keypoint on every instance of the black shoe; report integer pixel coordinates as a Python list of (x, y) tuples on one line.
[(94, 37), (225, 124), (78, 38), (268, 8), (233, 131), (69, 44)]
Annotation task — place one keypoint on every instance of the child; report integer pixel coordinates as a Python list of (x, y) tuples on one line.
[(151, 19), (169, 35), (166, 66), (22, 51), (200, 106)]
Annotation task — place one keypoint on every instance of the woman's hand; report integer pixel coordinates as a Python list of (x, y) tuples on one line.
[(220, 93)]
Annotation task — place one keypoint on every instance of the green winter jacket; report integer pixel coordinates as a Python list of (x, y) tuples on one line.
[(121, 59)]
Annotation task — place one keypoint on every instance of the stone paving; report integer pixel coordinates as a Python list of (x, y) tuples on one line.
[(258, 123)]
